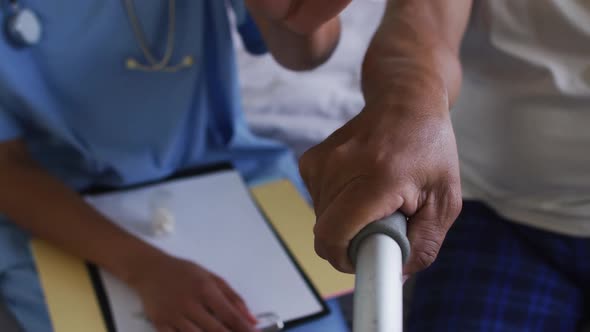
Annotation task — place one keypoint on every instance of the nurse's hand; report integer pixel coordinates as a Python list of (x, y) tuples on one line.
[(302, 16), (180, 296), (393, 156)]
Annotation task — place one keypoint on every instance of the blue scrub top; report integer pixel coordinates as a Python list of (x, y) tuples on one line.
[(91, 121)]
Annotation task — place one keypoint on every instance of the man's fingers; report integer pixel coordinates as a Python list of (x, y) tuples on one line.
[(425, 237), (360, 203), (428, 228), (314, 168), (310, 171)]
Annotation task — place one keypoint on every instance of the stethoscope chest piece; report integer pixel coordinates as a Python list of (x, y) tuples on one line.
[(23, 27)]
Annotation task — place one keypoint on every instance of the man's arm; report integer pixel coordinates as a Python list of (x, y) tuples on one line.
[(399, 153), (300, 34), (417, 46)]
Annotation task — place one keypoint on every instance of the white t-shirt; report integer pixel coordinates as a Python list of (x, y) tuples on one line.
[(523, 118)]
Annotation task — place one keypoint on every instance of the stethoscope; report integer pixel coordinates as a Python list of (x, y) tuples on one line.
[(24, 29)]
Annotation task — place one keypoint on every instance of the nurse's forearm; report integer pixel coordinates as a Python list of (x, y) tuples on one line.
[(299, 51), (39, 203)]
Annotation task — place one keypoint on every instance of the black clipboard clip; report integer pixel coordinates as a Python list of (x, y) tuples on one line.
[(269, 322)]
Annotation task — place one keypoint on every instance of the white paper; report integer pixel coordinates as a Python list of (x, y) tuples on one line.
[(218, 226)]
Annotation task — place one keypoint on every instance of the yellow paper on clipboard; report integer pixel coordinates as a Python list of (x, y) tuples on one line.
[(69, 292), (293, 219)]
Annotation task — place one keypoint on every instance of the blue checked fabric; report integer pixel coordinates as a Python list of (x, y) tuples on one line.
[(494, 275)]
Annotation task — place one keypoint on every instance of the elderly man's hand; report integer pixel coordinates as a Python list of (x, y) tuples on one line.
[(392, 156), (301, 16)]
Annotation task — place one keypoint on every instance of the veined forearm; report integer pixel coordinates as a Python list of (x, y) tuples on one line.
[(415, 52)]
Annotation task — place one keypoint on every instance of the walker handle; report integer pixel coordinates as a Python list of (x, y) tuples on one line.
[(379, 252)]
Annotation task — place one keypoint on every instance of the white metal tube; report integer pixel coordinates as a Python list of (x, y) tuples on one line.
[(378, 299)]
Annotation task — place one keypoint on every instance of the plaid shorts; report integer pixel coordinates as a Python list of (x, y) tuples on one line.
[(496, 275)]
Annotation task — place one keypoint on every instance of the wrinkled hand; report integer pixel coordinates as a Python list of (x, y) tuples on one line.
[(179, 296), (390, 157), (302, 16)]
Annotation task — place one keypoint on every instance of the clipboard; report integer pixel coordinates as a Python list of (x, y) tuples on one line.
[(97, 287)]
